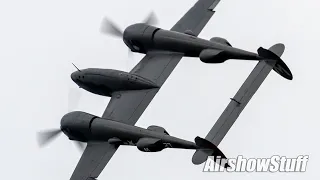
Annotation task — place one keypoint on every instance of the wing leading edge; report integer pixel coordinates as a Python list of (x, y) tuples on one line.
[(128, 106)]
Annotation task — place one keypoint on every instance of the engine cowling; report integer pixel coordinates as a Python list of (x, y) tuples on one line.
[(150, 145), (220, 40), (76, 125), (158, 129), (139, 37), (213, 56)]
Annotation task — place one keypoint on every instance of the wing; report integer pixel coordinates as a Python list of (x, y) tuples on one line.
[(197, 17), (127, 106), (93, 160), (157, 66), (239, 101)]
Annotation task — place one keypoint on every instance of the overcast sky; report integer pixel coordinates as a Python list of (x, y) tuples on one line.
[(40, 39)]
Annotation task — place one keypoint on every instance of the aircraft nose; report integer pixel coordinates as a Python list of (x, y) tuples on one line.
[(65, 121), (75, 76), (134, 31), (127, 32)]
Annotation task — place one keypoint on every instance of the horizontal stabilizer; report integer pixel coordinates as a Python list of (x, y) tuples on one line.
[(274, 53)]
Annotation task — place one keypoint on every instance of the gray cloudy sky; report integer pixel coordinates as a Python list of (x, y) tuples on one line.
[(39, 40)]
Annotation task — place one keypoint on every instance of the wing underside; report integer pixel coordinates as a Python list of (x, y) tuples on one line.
[(93, 160), (127, 106), (239, 101), (197, 17)]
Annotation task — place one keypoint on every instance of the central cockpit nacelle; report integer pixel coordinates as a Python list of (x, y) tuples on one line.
[(139, 37), (106, 81)]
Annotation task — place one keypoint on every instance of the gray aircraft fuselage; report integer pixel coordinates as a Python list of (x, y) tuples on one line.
[(84, 127)]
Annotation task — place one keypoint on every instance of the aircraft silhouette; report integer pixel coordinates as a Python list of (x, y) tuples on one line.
[(131, 92)]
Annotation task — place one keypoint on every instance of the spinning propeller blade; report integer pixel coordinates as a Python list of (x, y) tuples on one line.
[(110, 28), (74, 96), (151, 19), (80, 145), (44, 137), (73, 99), (47, 136)]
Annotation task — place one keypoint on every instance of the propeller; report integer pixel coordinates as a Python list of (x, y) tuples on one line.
[(46, 136), (80, 145), (151, 19), (73, 98), (108, 27)]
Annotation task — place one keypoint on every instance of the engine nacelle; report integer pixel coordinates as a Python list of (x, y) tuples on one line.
[(150, 145), (76, 125), (158, 129), (213, 56), (139, 37), (220, 41)]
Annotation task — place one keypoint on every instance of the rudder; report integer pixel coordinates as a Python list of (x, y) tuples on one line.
[(206, 148), (274, 53)]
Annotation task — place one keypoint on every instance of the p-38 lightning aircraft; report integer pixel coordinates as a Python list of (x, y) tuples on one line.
[(132, 92)]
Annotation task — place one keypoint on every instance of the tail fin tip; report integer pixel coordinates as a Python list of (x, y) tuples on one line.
[(206, 149), (274, 53), (277, 49)]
